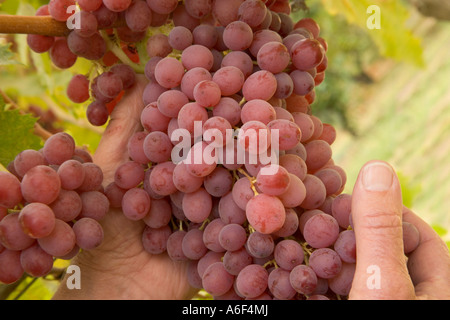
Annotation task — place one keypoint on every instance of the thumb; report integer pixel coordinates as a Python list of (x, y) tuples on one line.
[(124, 122), (381, 271)]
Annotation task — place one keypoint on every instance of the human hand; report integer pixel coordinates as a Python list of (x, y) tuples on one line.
[(377, 214), (120, 268)]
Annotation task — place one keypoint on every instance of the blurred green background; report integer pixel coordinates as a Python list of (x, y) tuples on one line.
[(387, 91)]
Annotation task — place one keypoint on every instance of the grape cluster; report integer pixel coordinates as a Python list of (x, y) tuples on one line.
[(245, 234), (231, 83), (51, 202)]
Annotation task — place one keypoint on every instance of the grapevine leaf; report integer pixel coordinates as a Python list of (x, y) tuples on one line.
[(18, 135), (6, 56), (393, 39)]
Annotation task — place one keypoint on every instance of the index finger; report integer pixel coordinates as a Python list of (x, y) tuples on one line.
[(429, 263)]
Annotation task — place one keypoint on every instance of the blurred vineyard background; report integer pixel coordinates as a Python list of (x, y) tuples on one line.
[(387, 91)]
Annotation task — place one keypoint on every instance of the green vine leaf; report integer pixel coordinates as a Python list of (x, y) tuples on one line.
[(18, 135), (6, 56), (394, 39)]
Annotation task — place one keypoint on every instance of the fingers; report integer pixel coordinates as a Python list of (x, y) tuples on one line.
[(124, 122), (381, 271), (429, 263)]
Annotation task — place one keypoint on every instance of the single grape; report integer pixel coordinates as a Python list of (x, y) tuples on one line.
[(321, 230), (232, 237), (252, 281), (192, 244), (35, 261), (197, 205), (59, 148), (61, 241), (41, 184), (136, 204), (265, 213), (10, 190), (12, 236), (89, 233), (37, 220), (303, 279), (325, 262), (260, 245), (216, 280), (288, 254), (279, 284)]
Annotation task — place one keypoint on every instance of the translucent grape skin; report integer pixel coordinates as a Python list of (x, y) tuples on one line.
[(129, 175), (307, 54), (303, 279), (321, 230), (95, 205), (260, 85), (252, 281), (136, 204), (67, 206), (91, 48), (117, 5), (345, 246), (71, 173), (39, 43), (78, 89), (88, 233), (37, 220), (61, 241), (197, 205), (35, 261), (265, 213), (59, 148), (279, 284), (325, 262), (61, 55), (12, 236), (232, 237), (155, 240), (238, 36), (273, 57), (10, 190), (216, 280), (184, 181), (288, 254), (169, 72), (58, 9), (41, 184), (235, 261), (274, 184), (192, 244), (10, 266)]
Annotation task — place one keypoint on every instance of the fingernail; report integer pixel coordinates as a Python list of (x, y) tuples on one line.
[(377, 176)]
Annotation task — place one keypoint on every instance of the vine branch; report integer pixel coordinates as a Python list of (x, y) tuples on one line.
[(43, 25)]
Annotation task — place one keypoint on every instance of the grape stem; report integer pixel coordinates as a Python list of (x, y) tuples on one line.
[(307, 252), (119, 53), (252, 180)]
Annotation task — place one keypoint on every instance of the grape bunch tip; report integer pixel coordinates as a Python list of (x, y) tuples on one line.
[(231, 172)]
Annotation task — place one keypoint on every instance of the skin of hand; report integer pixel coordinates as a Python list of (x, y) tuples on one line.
[(121, 269), (377, 214)]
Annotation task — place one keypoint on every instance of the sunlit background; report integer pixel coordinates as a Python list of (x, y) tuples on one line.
[(387, 91)]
